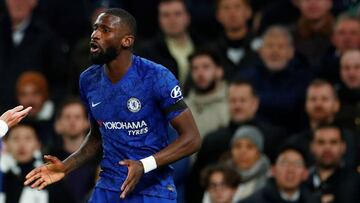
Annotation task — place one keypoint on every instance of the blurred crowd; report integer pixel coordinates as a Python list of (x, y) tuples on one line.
[(274, 87)]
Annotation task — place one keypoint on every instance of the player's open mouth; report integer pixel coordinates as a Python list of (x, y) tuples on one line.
[(94, 47)]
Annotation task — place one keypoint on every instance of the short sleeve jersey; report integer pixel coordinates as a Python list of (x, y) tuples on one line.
[(133, 115)]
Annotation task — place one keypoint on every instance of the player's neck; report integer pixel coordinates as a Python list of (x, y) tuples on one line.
[(117, 68)]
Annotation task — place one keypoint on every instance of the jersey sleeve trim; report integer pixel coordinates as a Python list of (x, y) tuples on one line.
[(178, 106)]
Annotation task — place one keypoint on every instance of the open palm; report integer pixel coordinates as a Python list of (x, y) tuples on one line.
[(51, 172)]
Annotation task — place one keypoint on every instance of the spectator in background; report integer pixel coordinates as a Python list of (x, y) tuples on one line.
[(289, 172), (312, 32), (329, 177), (322, 104), (283, 12), (221, 182), (172, 47), (243, 105), (80, 55), (32, 90), (349, 94), (207, 98), (234, 45), (23, 154), (249, 161), (346, 36), (279, 79), (26, 43), (72, 125)]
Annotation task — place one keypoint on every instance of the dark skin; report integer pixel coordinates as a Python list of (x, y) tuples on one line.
[(110, 32)]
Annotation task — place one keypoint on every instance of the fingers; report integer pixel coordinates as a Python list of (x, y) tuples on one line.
[(38, 182), (22, 113), (51, 159), (43, 185), (31, 177), (128, 188), (33, 172), (17, 108), (125, 192), (127, 181), (15, 115), (125, 162)]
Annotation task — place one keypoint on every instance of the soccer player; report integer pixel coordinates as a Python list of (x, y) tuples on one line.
[(130, 101), (12, 117)]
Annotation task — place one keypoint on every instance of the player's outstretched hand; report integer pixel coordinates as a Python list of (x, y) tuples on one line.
[(135, 171), (51, 172), (15, 115)]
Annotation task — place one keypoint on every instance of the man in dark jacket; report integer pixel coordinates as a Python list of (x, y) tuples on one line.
[(26, 43), (174, 44), (289, 172), (349, 94), (280, 79), (322, 104), (345, 37), (234, 45), (333, 182)]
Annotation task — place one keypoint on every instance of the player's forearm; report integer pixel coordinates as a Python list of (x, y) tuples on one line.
[(90, 147), (189, 140), (183, 146)]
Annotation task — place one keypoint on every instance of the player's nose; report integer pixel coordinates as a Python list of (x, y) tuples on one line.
[(95, 35)]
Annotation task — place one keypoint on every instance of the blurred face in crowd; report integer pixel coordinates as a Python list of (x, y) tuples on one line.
[(109, 38), (346, 35), (73, 121), (218, 190), (30, 95), (22, 143), (20, 10), (205, 72), (314, 9), (276, 51), (289, 170), (321, 103), (327, 147), (350, 69), (244, 153), (233, 14), (173, 18), (243, 103)]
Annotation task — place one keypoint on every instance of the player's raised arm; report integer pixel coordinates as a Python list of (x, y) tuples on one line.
[(189, 141), (55, 170)]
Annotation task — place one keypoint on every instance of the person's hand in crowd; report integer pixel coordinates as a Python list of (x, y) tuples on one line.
[(51, 172), (15, 115)]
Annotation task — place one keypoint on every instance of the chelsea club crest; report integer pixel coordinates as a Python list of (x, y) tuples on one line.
[(133, 105)]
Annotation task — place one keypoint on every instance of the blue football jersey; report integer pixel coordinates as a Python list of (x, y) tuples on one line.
[(133, 115)]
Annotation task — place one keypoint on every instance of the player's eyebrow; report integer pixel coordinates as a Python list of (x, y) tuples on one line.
[(101, 25)]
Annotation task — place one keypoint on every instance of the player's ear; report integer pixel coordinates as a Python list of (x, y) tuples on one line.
[(127, 41)]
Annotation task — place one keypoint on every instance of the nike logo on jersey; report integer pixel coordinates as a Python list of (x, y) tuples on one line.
[(94, 104)]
